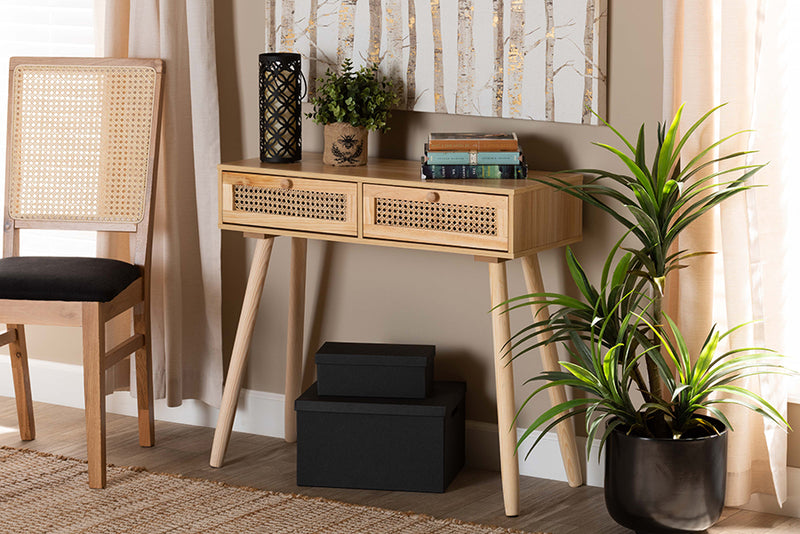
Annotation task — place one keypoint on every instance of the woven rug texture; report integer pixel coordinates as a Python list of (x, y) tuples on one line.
[(45, 493)]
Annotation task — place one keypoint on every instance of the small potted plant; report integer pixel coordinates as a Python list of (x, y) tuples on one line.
[(652, 403), (349, 104)]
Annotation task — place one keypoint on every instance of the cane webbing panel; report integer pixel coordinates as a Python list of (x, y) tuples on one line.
[(290, 202), (436, 216), (80, 142)]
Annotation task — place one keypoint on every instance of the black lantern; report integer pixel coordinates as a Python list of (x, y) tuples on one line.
[(279, 102)]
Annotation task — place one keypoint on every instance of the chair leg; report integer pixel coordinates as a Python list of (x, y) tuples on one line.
[(22, 383), (144, 377), (94, 346)]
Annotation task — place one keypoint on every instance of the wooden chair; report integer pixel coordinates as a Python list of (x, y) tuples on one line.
[(82, 151)]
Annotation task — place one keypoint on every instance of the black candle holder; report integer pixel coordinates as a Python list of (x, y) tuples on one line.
[(279, 102)]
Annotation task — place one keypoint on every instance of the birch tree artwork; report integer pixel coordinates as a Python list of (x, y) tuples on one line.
[(533, 59)]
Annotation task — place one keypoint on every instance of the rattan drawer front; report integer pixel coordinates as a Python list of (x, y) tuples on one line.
[(294, 203), (471, 220)]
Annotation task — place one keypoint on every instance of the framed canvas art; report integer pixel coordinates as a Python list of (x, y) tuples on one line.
[(530, 59)]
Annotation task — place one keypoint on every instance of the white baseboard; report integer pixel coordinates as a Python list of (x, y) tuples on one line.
[(262, 413), (258, 412), (543, 462)]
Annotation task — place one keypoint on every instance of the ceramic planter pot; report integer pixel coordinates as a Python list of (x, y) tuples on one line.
[(345, 145), (656, 486)]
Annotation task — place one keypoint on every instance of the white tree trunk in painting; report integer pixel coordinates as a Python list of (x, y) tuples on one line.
[(588, 66), (516, 57), (311, 80), (393, 55), (439, 104), (549, 73), (375, 20), (347, 12), (499, 57), (287, 25), (269, 28), (411, 67), (466, 59)]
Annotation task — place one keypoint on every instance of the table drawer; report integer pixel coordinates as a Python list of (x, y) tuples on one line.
[(472, 220), (301, 204)]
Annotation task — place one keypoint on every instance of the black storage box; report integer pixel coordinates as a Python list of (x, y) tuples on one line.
[(387, 444), (375, 370)]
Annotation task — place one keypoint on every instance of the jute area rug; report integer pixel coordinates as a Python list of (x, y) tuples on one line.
[(42, 492)]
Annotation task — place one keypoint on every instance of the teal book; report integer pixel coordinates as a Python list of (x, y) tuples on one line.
[(472, 158)]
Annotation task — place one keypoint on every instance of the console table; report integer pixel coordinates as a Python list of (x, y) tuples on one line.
[(386, 203)]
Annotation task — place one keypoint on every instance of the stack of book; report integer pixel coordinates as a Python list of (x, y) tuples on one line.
[(473, 155)]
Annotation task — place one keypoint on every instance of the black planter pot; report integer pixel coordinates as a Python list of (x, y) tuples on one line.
[(659, 486)]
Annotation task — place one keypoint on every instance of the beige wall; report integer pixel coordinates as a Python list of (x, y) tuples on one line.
[(363, 293)]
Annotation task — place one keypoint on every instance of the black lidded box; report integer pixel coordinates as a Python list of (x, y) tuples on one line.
[(375, 370), (386, 444)]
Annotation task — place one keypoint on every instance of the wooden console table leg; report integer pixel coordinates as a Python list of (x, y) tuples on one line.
[(504, 386), (294, 335), (565, 429), (241, 345)]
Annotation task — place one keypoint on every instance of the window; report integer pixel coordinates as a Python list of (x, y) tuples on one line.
[(45, 28)]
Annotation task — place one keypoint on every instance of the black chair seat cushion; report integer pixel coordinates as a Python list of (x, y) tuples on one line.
[(69, 279)]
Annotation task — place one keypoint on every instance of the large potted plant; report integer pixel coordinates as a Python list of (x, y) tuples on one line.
[(651, 402), (349, 104)]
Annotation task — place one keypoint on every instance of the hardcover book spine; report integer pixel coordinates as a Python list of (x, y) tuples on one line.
[(502, 172), (466, 145), (447, 158), (466, 158)]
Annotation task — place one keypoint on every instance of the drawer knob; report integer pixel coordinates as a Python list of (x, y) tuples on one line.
[(432, 196), (286, 184)]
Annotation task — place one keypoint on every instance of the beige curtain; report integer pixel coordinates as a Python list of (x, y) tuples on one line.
[(186, 283), (717, 52)]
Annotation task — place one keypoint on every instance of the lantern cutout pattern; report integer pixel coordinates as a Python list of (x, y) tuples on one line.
[(279, 101)]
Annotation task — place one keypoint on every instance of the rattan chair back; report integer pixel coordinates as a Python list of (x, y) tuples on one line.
[(81, 143)]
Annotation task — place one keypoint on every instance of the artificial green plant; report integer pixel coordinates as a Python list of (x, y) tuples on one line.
[(616, 332), (358, 97)]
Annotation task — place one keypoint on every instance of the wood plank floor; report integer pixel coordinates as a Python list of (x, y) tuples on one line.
[(268, 463)]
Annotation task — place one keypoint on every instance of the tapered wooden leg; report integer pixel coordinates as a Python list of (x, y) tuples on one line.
[(504, 386), (18, 351), (241, 344), (294, 341), (565, 429), (94, 386), (144, 376)]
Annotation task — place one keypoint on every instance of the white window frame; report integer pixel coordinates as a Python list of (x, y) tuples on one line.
[(46, 28)]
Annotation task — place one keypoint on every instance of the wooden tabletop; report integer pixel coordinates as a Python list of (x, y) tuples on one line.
[(386, 171)]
